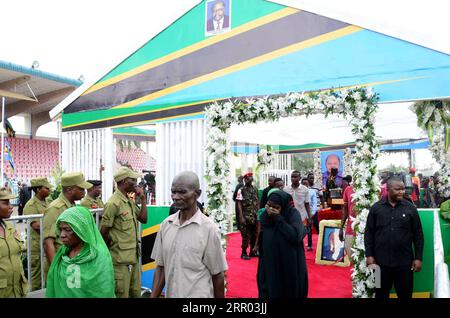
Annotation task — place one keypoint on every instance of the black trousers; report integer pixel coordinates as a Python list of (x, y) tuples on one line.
[(316, 221), (401, 277), (309, 232)]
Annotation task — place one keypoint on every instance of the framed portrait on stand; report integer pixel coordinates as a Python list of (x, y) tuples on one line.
[(330, 250)]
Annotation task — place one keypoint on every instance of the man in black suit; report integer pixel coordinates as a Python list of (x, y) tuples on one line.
[(219, 20), (24, 196)]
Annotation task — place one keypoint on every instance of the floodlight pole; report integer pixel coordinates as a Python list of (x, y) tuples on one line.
[(3, 139)]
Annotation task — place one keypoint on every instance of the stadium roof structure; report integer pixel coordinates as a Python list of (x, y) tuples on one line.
[(29, 90), (270, 49)]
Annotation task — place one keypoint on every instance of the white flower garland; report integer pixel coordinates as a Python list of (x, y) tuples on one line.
[(317, 170), (347, 162), (434, 118), (358, 105), (264, 156)]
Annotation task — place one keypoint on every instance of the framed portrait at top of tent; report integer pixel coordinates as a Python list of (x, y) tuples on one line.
[(330, 250), (217, 16)]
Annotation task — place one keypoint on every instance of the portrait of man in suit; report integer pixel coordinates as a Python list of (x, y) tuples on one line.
[(218, 16)]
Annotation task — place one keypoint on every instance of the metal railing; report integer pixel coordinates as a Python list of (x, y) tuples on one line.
[(441, 277)]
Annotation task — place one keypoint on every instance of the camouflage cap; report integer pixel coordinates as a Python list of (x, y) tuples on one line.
[(124, 173), (40, 182), (74, 179), (6, 194)]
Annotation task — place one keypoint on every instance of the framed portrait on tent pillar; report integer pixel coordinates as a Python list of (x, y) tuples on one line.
[(330, 249), (217, 17)]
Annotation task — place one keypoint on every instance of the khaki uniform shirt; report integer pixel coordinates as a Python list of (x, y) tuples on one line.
[(13, 283), (190, 253), (48, 200), (91, 203), (120, 215), (35, 206), (53, 211)]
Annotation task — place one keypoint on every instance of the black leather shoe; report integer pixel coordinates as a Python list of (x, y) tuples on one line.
[(253, 254), (245, 256)]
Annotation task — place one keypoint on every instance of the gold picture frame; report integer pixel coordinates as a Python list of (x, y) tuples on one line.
[(331, 251)]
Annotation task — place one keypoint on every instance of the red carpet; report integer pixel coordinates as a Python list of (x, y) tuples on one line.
[(324, 281)]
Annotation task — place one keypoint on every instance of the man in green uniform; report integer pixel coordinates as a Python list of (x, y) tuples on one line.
[(92, 199), (120, 230), (248, 205), (37, 205), (13, 283), (73, 189)]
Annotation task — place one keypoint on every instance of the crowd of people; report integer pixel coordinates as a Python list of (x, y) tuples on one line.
[(83, 261), (274, 228), (416, 187)]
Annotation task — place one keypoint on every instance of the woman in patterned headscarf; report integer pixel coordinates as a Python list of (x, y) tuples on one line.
[(83, 266)]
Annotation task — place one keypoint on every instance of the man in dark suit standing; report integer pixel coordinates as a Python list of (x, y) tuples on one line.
[(219, 20), (24, 196)]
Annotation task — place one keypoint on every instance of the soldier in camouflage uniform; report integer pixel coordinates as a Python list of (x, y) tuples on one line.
[(248, 204)]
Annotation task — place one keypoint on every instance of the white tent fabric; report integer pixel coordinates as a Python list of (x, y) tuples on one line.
[(163, 15), (393, 121), (424, 23), (419, 22)]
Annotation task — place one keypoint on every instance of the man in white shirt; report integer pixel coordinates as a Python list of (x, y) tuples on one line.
[(300, 194)]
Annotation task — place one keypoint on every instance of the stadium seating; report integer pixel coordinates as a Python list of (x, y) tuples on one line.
[(136, 158), (34, 157)]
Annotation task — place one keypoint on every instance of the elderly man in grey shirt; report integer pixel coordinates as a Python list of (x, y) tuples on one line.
[(187, 250)]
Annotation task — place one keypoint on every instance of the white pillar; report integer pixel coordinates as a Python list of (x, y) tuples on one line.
[(86, 150), (65, 151), (179, 147), (109, 160)]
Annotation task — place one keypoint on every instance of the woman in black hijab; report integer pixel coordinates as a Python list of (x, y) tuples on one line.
[(282, 266)]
